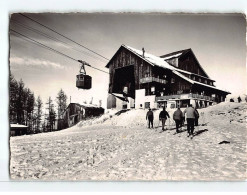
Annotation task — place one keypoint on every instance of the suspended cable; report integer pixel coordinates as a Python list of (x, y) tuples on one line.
[(51, 49), (44, 45), (63, 36), (55, 39)]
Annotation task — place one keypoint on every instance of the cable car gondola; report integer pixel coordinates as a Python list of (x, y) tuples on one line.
[(83, 81)]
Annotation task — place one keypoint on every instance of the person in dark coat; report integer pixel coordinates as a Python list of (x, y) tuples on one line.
[(239, 99), (196, 117), (150, 117), (163, 116), (190, 113), (177, 117)]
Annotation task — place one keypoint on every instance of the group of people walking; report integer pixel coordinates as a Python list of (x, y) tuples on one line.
[(191, 114)]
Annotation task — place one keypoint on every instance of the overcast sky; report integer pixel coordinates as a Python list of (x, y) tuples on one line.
[(218, 42)]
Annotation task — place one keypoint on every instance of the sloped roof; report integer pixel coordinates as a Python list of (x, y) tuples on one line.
[(158, 61), (196, 82), (174, 54), (178, 54), (150, 58), (17, 126), (84, 105)]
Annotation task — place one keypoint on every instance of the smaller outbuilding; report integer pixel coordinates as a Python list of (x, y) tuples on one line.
[(17, 129), (76, 112)]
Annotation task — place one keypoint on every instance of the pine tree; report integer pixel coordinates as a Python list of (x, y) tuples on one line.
[(13, 90), (61, 103), (51, 116), (30, 102), (38, 114), (20, 101), (21, 106)]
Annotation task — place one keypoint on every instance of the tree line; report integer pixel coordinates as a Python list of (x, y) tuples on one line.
[(27, 110)]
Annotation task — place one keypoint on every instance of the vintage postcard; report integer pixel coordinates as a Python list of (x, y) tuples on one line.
[(127, 97)]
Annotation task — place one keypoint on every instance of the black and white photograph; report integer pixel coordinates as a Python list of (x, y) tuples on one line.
[(127, 96)]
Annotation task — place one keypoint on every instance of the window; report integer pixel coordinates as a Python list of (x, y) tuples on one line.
[(147, 104), (146, 91), (172, 106)]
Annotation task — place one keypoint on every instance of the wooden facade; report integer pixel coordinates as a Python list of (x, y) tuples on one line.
[(178, 73), (127, 70)]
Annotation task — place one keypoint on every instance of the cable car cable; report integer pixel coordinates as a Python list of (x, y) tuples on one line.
[(51, 49), (55, 39), (63, 36), (44, 45)]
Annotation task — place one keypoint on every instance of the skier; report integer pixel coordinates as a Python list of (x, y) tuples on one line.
[(150, 117), (177, 117), (190, 113), (196, 117), (163, 116), (239, 99)]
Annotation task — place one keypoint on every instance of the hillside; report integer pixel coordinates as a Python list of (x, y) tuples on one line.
[(121, 147)]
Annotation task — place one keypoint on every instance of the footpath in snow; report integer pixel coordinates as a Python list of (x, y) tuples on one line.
[(123, 148)]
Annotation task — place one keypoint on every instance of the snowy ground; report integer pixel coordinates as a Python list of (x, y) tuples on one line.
[(123, 148)]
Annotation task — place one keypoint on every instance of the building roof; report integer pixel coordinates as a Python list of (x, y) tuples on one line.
[(196, 82), (178, 54), (150, 58), (17, 126), (160, 61), (85, 105), (174, 54)]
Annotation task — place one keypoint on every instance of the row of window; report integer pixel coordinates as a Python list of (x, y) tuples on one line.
[(205, 81)]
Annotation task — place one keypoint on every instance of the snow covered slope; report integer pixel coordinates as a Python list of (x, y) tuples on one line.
[(123, 148)]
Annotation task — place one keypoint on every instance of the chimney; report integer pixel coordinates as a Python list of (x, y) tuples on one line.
[(143, 52)]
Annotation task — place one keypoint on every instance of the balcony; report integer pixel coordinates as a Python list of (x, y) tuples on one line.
[(152, 79), (186, 96), (209, 98)]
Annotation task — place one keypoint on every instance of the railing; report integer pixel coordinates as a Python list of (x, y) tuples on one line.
[(152, 79), (202, 97), (185, 96)]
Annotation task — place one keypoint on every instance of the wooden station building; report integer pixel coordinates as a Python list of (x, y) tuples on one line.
[(171, 80)]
